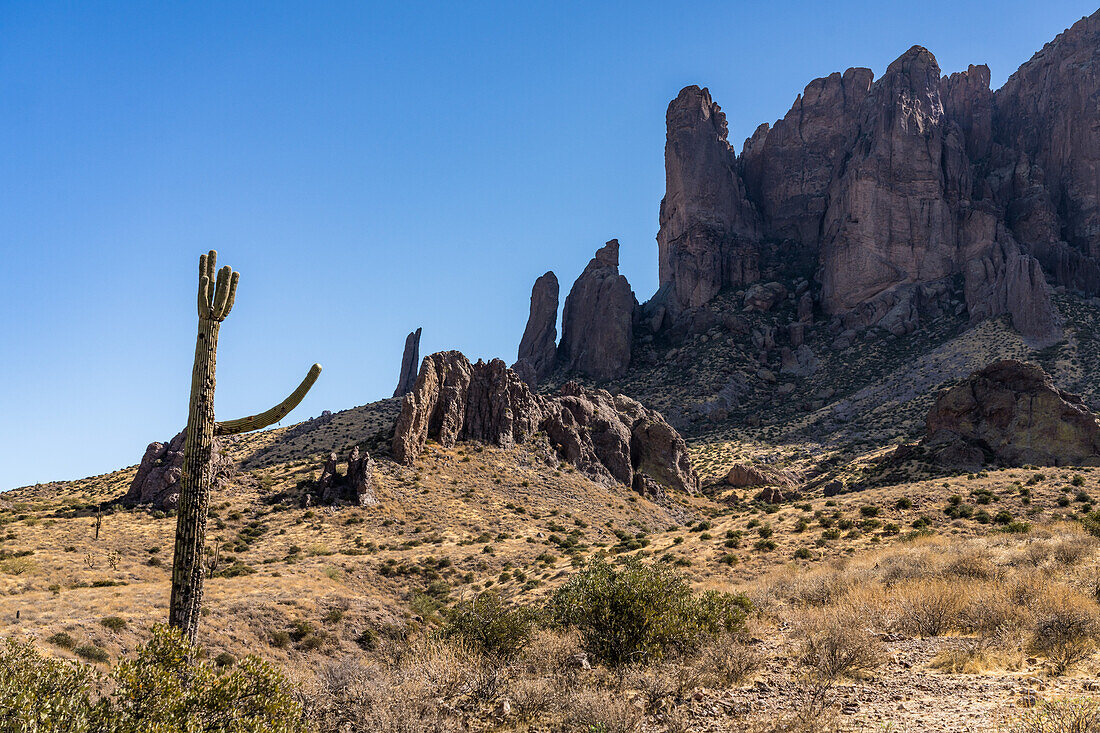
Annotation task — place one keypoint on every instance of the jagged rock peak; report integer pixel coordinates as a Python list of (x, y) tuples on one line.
[(709, 230), (609, 438), (410, 359), (538, 348), (597, 320)]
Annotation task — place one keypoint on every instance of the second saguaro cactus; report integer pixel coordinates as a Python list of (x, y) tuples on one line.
[(217, 292)]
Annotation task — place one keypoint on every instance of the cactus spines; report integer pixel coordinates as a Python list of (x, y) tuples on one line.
[(216, 295)]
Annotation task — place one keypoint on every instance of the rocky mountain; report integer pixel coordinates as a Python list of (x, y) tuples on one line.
[(890, 197)]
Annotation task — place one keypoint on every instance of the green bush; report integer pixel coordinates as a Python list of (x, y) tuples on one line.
[(638, 612), (158, 689), (114, 623), (490, 625)]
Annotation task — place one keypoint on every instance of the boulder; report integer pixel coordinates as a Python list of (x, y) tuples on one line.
[(1012, 413), (156, 482), (598, 319), (741, 475), (410, 362), (764, 296), (538, 347), (355, 487)]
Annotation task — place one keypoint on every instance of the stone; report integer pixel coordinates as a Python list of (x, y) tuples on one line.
[(709, 231), (157, 481), (742, 475), (806, 308), (1012, 413), (776, 495), (608, 438), (360, 478), (598, 319), (410, 362), (355, 487), (538, 347), (764, 296), (799, 362)]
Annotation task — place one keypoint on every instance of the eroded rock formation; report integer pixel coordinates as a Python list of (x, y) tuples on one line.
[(709, 231), (1011, 413), (355, 487), (156, 482), (410, 362), (894, 187), (597, 320), (607, 437), (538, 348)]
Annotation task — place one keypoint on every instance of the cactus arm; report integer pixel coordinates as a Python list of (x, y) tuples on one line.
[(204, 297), (276, 413), (232, 294)]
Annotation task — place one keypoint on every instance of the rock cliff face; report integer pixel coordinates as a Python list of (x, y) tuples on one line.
[(597, 321), (1012, 413), (894, 187), (892, 218), (1047, 110), (538, 348), (709, 230), (612, 438), (410, 362), (789, 169)]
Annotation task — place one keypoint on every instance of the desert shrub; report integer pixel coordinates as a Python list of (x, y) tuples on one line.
[(599, 711), (1059, 716), (490, 625), (62, 639), (92, 653), (114, 623), (163, 682), (42, 694), (638, 612), (1065, 629), (929, 607), (729, 661), (835, 645)]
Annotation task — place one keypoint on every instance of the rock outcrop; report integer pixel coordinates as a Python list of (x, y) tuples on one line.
[(1013, 283), (538, 348), (1047, 110), (709, 231), (893, 213), (1011, 413), (612, 438), (410, 362), (598, 319), (156, 482), (355, 487)]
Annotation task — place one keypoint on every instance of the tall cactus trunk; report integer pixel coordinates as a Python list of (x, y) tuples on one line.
[(216, 298), (195, 485)]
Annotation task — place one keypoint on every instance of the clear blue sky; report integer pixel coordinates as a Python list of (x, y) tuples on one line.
[(369, 168)]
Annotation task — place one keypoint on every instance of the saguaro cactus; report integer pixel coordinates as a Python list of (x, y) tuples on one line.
[(216, 296)]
